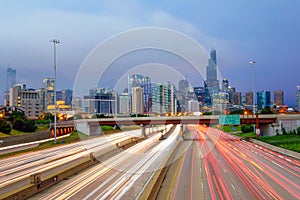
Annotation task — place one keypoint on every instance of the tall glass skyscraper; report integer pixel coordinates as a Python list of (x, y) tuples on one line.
[(212, 83), (49, 92), (10, 78), (138, 80), (263, 99), (163, 98)]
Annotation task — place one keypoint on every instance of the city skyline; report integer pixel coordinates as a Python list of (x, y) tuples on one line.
[(241, 31)]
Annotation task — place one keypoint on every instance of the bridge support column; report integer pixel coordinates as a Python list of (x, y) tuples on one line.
[(143, 131), (182, 129), (89, 129)]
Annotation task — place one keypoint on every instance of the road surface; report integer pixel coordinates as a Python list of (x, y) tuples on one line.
[(214, 165)]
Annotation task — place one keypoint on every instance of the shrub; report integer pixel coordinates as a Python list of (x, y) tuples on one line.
[(247, 129), (5, 127), (26, 125), (18, 124)]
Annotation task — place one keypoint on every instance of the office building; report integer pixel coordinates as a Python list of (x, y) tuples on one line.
[(67, 96), (100, 101), (123, 104), (230, 91), (193, 106), (163, 98), (278, 98), (29, 101), (137, 100), (147, 94), (249, 98), (200, 94), (225, 85), (138, 80), (183, 86), (48, 84), (263, 99), (237, 98)]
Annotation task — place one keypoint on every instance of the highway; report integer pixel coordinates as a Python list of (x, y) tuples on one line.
[(123, 176), (215, 165), (18, 168)]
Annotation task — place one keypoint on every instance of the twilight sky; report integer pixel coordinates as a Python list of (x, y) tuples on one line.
[(267, 31)]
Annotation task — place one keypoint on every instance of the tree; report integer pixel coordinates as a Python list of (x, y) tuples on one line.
[(266, 111), (29, 125), (18, 124), (5, 127), (247, 129), (26, 125), (16, 115)]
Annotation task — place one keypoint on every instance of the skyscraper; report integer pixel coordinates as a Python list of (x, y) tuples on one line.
[(278, 98), (10, 78), (249, 98), (102, 101), (163, 98), (147, 94), (138, 80), (10, 82), (183, 85), (67, 96), (298, 98), (237, 98), (263, 99), (137, 100), (200, 94), (124, 103), (211, 83), (49, 92), (225, 85)]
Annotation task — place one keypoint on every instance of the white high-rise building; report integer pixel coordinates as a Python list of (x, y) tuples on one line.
[(137, 100), (124, 103)]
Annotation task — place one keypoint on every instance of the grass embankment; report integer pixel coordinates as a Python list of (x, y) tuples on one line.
[(230, 128), (290, 142), (16, 132)]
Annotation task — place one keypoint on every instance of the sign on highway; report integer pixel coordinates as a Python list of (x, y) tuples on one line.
[(229, 120)]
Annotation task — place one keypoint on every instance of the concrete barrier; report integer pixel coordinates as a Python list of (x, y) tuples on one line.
[(26, 137), (151, 187)]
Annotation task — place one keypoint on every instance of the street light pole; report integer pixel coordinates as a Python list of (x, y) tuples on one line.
[(55, 42), (253, 100)]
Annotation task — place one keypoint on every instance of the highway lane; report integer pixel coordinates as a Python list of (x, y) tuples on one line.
[(219, 166), (17, 167), (120, 177)]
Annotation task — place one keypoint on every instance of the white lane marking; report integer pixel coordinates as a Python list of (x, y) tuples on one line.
[(232, 186)]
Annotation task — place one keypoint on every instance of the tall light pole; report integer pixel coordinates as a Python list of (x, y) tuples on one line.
[(55, 42), (253, 100)]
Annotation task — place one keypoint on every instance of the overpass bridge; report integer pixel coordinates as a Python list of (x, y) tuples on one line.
[(92, 126), (270, 123)]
